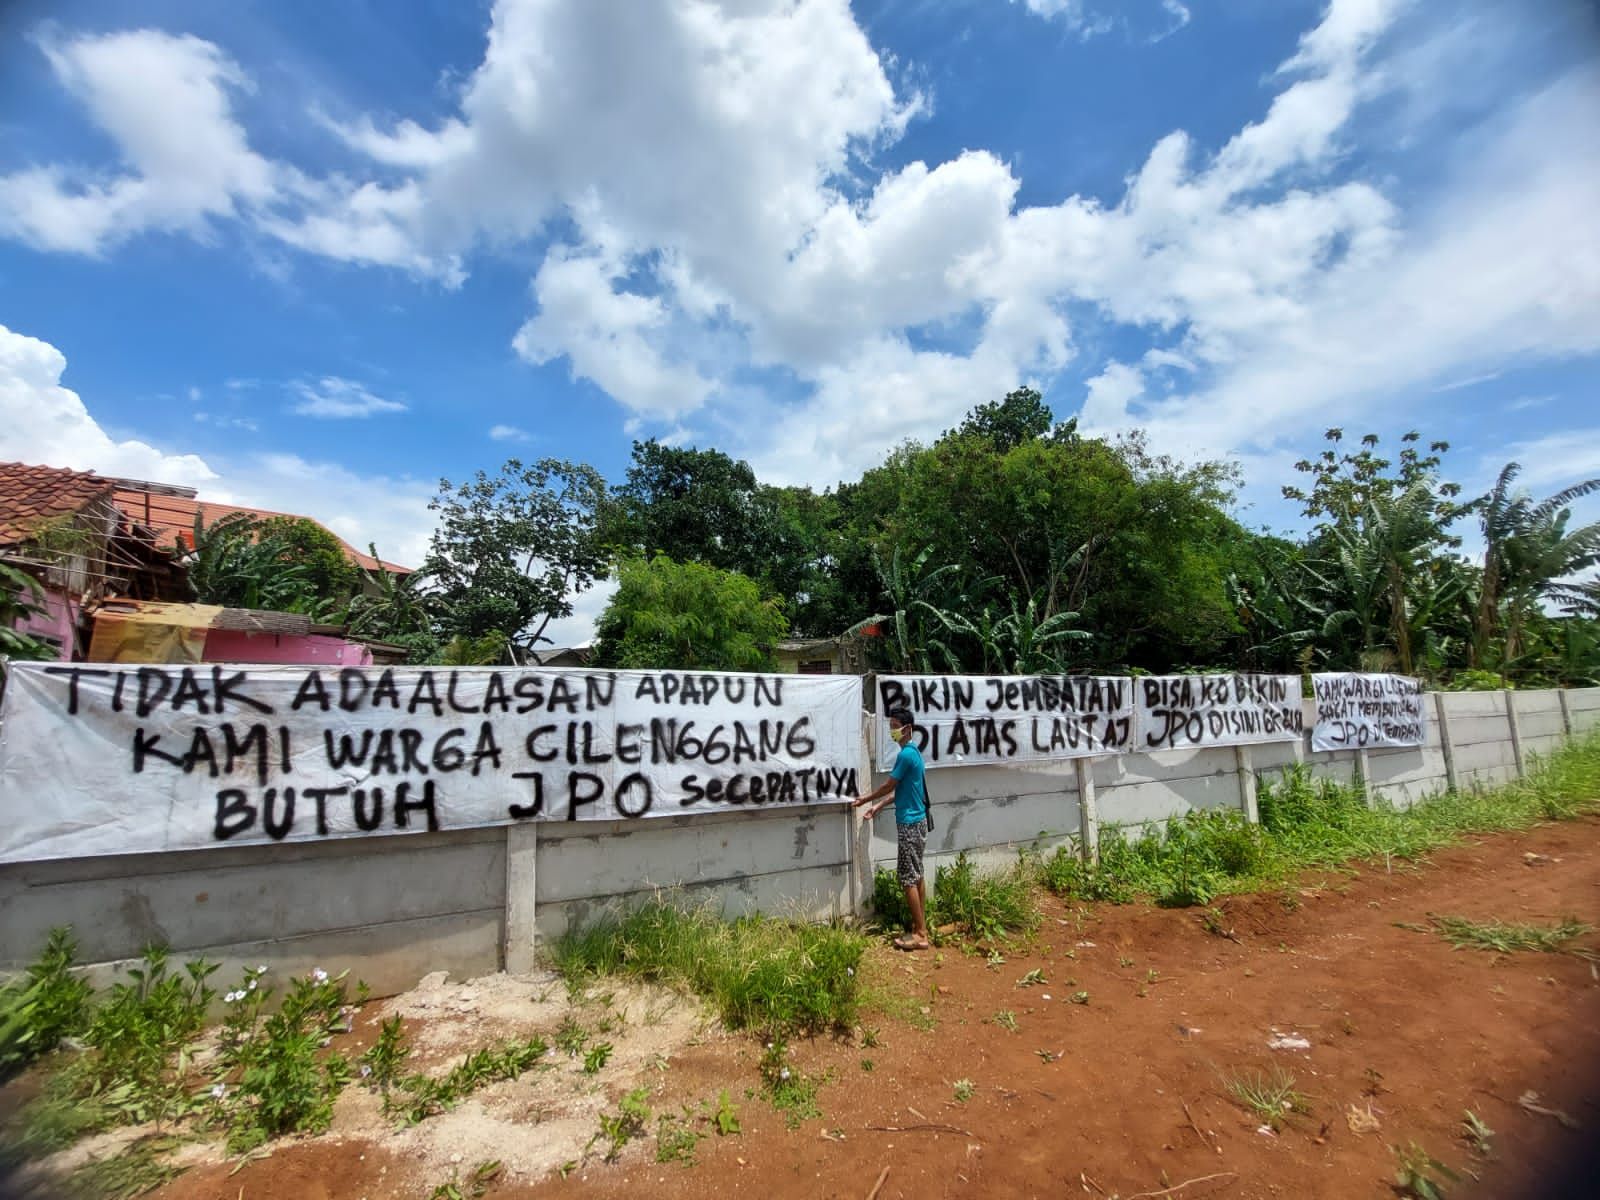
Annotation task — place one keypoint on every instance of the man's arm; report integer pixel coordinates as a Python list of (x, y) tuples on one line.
[(878, 793)]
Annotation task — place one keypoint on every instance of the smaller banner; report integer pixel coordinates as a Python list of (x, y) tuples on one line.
[(972, 720), (1187, 712), (1357, 711)]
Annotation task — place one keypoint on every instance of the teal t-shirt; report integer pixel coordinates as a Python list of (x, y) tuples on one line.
[(910, 796)]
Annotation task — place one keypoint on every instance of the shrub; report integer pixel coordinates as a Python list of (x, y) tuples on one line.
[(47, 1004), (761, 973), (986, 907)]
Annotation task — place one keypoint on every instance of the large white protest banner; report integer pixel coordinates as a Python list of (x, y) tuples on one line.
[(1187, 712), (967, 720), (1358, 711), (111, 759)]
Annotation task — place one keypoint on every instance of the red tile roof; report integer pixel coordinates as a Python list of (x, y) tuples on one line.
[(31, 496), (170, 518)]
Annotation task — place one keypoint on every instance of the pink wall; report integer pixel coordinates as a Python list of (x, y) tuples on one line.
[(312, 650), (56, 622)]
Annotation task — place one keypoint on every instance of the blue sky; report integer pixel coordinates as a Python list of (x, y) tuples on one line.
[(314, 256)]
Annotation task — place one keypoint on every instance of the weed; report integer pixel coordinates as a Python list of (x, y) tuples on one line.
[(1505, 938), (142, 1036), (571, 1037), (418, 1097), (598, 1055), (889, 900), (45, 1005), (1478, 1133), (985, 907), (1066, 875), (1048, 1056), (760, 972), (790, 1091), (994, 959), (280, 1081), (628, 1122), (726, 1119), (476, 1186), (1033, 978), (1006, 1019), (1415, 1174), (381, 1063), (1272, 1097), (1124, 961), (1152, 975), (964, 1088), (869, 1038), (676, 1139), (140, 1168), (1078, 998)]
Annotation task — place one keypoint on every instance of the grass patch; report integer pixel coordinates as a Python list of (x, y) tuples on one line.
[(138, 1169), (786, 1087), (1310, 821), (987, 907), (418, 1097), (1505, 938), (1270, 1096), (760, 973)]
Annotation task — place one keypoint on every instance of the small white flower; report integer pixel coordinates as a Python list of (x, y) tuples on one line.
[(262, 968), (769, 1045), (218, 1091), (783, 1074), (252, 988), (365, 1070), (319, 975), (850, 971)]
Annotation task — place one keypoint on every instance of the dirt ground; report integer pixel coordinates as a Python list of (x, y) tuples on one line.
[(1403, 1034)]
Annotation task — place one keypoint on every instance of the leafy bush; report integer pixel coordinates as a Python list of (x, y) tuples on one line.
[(143, 1034), (889, 900), (986, 907), (760, 973), (281, 1082), (47, 1004)]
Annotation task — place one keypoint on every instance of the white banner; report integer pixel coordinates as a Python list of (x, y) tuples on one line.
[(111, 759), (966, 720), (1357, 712), (1187, 712)]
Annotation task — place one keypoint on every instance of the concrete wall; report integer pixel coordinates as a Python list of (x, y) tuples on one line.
[(394, 908)]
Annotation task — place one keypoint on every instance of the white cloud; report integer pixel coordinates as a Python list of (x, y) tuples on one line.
[(337, 398), (1105, 411), (46, 424), (165, 102), (1554, 461), (614, 338), (509, 433)]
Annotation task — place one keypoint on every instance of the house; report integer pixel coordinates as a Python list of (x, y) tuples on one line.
[(144, 631), (63, 527), (822, 656), (168, 513)]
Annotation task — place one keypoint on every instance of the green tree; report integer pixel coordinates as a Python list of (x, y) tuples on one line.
[(398, 609), (689, 616), (1530, 555), (324, 568), (1006, 424), (511, 549), (240, 561), (690, 504)]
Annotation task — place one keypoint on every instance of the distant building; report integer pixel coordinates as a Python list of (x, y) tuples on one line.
[(822, 656)]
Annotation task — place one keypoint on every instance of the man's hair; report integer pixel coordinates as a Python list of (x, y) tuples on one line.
[(901, 714)]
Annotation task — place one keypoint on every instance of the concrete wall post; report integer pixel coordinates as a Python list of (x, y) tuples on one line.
[(522, 853)]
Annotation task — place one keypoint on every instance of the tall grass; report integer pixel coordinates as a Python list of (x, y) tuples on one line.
[(759, 972), (1311, 821)]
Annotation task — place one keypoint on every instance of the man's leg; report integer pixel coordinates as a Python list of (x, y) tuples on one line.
[(919, 924)]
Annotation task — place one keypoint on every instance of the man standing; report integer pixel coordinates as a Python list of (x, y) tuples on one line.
[(911, 823)]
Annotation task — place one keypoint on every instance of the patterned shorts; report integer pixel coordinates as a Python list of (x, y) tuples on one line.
[(912, 839)]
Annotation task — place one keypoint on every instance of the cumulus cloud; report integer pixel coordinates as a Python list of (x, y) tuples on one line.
[(509, 433), (341, 399), (166, 101), (45, 423)]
